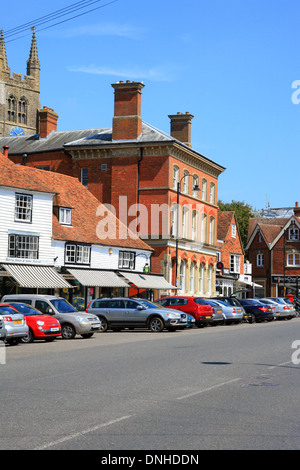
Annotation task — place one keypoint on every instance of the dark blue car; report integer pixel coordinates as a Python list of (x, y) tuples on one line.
[(258, 311)]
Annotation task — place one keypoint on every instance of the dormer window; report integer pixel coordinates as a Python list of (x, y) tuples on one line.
[(65, 215), (293, 234)]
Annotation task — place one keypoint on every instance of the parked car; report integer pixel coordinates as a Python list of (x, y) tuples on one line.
[(72, 322), (286, 302), (198, 307), (230, 300), (41, 325), (191, 322), (259, 311), (122, 312), (14, 322), (2, 330), (231, 314)]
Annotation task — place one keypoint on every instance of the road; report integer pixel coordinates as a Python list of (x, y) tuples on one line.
[(224, 387)]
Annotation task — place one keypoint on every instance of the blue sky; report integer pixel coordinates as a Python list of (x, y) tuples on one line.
[(230, 63)]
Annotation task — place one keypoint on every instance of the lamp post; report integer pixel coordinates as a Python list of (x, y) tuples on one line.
[(195, 188)]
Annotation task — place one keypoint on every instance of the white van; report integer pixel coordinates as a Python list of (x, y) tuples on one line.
[(72, 322)]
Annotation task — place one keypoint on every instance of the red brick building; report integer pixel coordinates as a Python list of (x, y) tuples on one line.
[(230, 269), (274, 251), (137, 168)]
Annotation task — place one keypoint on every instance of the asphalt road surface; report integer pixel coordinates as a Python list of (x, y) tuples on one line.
[(224, 387)]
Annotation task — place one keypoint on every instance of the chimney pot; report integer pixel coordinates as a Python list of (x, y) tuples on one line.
[(5, 150)]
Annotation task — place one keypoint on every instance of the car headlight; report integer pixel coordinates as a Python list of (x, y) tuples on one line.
[(172, 315), (81, 319), (40, 322)]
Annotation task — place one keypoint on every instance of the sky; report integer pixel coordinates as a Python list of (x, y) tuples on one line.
[(232, 64)]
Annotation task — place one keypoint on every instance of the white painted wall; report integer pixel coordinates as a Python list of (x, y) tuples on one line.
[(41, 224)]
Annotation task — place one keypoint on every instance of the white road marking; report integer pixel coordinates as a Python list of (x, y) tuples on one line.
[(81, 433), (198, 392)]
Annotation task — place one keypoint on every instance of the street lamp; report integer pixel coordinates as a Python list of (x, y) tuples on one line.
[(195, 188)]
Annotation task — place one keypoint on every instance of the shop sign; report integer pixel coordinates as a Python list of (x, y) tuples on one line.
[(286, 279)]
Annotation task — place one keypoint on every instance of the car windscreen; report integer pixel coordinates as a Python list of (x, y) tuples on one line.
[(62, 306), (147, 303), (25, 309), (8, 310), (200, 301)]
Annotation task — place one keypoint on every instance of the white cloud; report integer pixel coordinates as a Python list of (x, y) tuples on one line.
[(158, 73), (103, 29)]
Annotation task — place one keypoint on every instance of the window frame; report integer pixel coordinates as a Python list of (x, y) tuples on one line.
[(235, 263), (295, 236), (62, 215), (125, 262), (17, 239), (19, 208), (293, 254), (75, 248)]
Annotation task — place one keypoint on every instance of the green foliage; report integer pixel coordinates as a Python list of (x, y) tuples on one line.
[(243, 213)]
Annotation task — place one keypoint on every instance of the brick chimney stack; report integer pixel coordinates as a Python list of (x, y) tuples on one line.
[(181, 127), (47, 121), (127, 121), (297, 210), (5, 150)]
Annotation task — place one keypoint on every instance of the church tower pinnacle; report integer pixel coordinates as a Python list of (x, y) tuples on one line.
[(33, 63), (3, 58)]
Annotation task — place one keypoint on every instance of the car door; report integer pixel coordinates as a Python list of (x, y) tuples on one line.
[(134, 314), (115, 312)]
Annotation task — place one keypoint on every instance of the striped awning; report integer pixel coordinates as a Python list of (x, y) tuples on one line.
[(147, 281), (36, 276), (96, 278)]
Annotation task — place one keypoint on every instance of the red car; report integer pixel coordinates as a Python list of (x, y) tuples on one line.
[(203, 313), (41, 326)]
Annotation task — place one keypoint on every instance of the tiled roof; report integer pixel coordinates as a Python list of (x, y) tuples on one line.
[(224, 223), (69, 192), (87, 138), (270, 227)]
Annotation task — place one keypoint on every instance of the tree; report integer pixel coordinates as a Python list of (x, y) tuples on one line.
[(243, 213)]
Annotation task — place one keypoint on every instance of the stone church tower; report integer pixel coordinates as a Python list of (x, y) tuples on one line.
[(19, 97)]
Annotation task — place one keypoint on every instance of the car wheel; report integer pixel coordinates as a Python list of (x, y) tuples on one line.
[(103, 325), (29, 338), (156, 324), (68, 331)]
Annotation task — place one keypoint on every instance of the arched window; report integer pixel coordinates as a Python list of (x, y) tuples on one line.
[(22, 111), (185, 182), (211, 231), (203, 228), (12, 108), (182, 276), (209, 280), (194, 225), (204, 189), (200, 279), (195, 182), (174, 220), (185, 222), (192, 278), (212, 193), (175, 176)]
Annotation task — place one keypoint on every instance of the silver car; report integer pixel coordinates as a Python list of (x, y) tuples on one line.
[(283, 307), (72, 322), (122, 312), (231, 313), (15, 324)]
